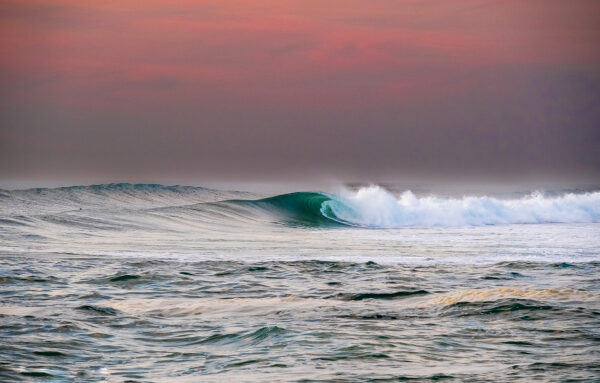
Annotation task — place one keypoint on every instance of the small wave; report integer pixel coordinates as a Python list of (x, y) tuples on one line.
[(51, 353), (495, 307), (478, 295), (98, 310), (23, 311), (183, 307), (121, 187), (11, 222), (37, 374), (393, 295), (254, 337), (124, 278), (375, 316)]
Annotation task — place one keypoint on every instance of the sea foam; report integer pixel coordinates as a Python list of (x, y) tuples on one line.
[(375, 207)]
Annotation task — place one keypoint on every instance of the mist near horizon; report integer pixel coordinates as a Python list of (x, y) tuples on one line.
[(187, 92)]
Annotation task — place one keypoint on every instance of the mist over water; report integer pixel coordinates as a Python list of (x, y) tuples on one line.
[(144, 282)]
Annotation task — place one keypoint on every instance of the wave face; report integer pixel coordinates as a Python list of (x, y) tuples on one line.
[(300, 208), (105, 197), (374, 207)]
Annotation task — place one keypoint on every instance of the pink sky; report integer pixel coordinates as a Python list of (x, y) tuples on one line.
[(277, 52), (126, 58)]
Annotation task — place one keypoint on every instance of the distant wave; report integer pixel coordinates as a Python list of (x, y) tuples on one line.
[(374, 207), (37, 201), (104, 190)]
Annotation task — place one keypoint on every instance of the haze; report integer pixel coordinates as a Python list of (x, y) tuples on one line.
[(251, 90)]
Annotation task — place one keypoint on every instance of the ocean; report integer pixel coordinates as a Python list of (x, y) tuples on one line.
[(152, 283)]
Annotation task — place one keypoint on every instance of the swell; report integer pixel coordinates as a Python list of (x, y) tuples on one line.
[(111, 206), (103, 197), (97, 208)]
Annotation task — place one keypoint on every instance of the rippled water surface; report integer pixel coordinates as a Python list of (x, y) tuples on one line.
[(168, 284)]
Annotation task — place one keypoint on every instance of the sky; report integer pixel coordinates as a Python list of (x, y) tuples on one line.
[(226, 90)]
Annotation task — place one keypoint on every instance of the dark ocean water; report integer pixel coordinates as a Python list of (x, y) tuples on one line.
[(146, 283)]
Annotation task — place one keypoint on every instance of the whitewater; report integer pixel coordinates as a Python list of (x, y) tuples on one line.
[(146, 282)]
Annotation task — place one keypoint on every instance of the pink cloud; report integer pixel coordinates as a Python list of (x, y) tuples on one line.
[(278, 53)]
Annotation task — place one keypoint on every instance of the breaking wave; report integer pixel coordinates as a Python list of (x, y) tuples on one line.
[(121, 206), (374, 207)]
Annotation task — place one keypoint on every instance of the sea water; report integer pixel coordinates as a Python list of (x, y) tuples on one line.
[(138, 283)]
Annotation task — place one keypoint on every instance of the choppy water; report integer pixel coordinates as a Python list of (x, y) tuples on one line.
[(171, 284)]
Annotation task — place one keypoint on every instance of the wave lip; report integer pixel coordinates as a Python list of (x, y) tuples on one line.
[(375, 207)]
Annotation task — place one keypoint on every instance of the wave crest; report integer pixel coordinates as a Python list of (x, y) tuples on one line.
[(375, 207)]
